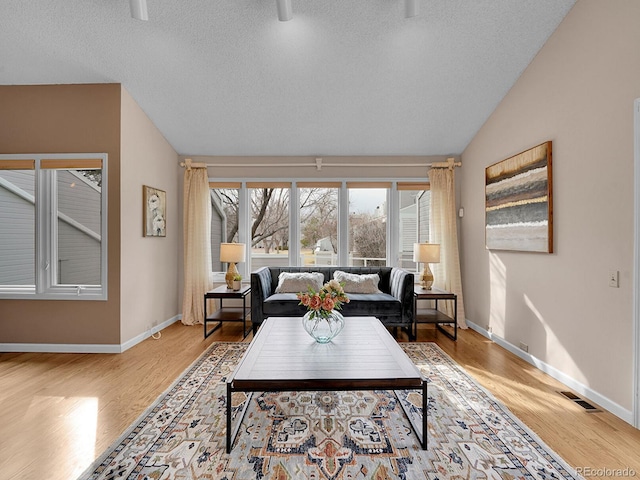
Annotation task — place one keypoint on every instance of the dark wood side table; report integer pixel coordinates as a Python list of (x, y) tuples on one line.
[(433, 315), (227, 314)]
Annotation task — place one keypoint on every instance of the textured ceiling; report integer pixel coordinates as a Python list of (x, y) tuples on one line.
[(344, 77)]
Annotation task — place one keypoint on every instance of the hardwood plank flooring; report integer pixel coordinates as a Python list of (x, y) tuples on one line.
[(60, 411)]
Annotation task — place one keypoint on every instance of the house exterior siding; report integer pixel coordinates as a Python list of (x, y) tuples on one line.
[(17, 228)]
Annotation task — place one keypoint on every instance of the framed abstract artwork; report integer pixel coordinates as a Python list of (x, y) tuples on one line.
[(518, 202), (154, 208)]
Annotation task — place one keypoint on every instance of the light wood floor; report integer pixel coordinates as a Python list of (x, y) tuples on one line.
[(60, 411)]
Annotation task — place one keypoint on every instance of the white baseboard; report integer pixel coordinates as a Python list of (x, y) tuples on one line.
[(573, 384), (85, 348), (59, 348), (146, 334)]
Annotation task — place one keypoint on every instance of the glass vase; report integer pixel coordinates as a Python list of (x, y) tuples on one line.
[(323, 328)]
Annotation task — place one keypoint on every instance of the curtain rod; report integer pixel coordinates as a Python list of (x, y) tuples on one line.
[(450, 163)]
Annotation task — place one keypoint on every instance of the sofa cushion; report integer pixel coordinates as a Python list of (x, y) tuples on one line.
[(282, 304), (299, 282), (369, 304), (374, 304), (354, 283)]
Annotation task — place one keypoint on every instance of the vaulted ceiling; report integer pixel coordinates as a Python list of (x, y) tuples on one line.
[(343, 77)]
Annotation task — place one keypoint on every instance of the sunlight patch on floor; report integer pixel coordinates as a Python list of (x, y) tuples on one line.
[(82, 423), (75, 419)]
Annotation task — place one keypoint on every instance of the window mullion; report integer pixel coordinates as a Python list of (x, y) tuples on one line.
[(104, 245), (294, 225), (343, 225), (393, 226), (39, 228), (244, 226), (52, 229), (44, 263)]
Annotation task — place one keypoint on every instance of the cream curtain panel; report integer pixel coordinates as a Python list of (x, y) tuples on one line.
[(444, 230), (197, 247)]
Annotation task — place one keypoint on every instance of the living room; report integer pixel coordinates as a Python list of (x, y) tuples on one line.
[(578, 91)]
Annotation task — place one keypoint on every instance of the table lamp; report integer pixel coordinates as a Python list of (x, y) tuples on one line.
[(231, 253), (426, 253)]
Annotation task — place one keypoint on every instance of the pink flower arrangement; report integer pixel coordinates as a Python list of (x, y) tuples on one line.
[(330, 297)]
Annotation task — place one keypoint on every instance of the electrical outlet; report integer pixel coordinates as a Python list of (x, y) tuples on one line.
[(524, 346), (613, 278)]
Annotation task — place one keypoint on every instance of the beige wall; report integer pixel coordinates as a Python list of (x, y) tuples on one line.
[(66, 119), (579, 93), (149, 264)]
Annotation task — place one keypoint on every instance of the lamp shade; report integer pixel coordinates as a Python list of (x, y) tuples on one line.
[(426, 252), (232, 252)]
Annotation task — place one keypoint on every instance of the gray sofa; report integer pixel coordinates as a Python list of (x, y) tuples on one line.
[(394, 305)]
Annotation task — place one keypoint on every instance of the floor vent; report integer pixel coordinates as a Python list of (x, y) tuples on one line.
[(584, 404)]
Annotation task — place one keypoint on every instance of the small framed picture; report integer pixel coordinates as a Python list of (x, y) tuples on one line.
[(154, 212)]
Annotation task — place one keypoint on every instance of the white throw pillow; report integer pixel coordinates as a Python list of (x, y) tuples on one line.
[(354, 283), (299, 282)]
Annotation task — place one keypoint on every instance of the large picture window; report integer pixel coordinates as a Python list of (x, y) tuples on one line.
[(53, 226), (309, 223)]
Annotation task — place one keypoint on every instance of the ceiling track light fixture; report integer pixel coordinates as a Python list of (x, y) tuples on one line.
[(411, 8), (139, 9), (285, 13)]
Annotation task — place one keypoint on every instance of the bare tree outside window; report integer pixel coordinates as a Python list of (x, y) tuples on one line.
[(270, 218), (319, 225), (367, 226), (368, 236)]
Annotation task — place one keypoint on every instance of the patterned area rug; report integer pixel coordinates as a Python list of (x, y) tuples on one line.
[(328, 435)]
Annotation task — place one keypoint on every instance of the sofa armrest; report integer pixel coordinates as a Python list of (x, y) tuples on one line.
[(260, 291), (401, 287)]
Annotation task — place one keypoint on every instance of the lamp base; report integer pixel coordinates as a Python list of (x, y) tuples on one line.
[(231, 272), (426, 278)]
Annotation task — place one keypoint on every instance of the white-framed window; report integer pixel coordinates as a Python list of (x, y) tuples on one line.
[(269, 220), (368, 224), (319, 222), (53, 226), (414, 206)]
